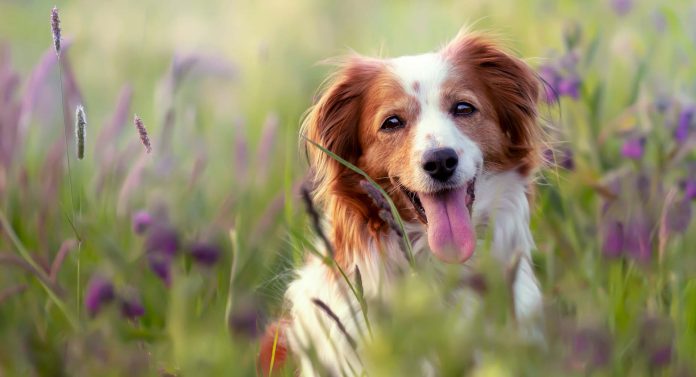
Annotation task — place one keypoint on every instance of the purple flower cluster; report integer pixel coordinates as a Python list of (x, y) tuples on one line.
[(141, 222), (628, 230), (130, 304), (204, 254), (633, 148), (679, 117), (101, 292), (645, 203), (562, 158), (561, 78), (634, 238), (162, 239), (685, 124), (246, 320), (689, 187), (590, 349), (163, 244)]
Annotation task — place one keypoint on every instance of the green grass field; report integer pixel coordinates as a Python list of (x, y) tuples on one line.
[(170, 263)]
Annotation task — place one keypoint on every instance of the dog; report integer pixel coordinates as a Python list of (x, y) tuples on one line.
[(453, 137)]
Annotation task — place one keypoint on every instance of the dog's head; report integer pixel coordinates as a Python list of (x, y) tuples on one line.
[(423, 127)]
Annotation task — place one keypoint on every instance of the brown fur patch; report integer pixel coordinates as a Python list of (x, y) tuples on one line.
[(340, 122), (512, 90)]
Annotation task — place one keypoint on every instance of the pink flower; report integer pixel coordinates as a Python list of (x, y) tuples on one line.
[(633, 148), (141, 222)]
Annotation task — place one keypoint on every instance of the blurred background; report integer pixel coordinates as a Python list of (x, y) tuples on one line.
[(172, 262)]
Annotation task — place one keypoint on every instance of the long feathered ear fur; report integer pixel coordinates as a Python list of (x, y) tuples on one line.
[(334, 120), (514, 88), (333, 123)]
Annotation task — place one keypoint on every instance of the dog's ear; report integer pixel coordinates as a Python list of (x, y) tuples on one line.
[(513, 88), (334, 120)]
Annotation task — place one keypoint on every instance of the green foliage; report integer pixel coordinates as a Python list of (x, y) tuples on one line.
[(221, 88)]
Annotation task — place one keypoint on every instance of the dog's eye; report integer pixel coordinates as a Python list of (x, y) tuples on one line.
[(392, 123), (463, 109)]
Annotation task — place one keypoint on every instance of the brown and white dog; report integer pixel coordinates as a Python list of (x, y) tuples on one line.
[(453, 137)]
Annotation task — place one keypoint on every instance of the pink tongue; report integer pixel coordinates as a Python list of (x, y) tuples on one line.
[(450, 234)]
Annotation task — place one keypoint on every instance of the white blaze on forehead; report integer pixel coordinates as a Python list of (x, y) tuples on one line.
[(422, 76)]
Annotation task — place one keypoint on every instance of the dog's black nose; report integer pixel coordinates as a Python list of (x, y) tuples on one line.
[(440, 163)]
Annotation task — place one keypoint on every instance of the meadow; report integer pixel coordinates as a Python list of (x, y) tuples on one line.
[(167, 254)]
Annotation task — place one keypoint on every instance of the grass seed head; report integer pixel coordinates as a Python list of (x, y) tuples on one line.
[(80, 130), (144, 138), (55, 28)]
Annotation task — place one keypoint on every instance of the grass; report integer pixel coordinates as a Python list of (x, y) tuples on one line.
[(222, 87)]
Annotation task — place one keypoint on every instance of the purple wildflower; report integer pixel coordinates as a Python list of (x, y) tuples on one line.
[(638, 240), (590, 349), (613, 239), (679, 216), (561, 84), (568, 162), (661, 356), (131, 305), (161, 265), (245, 321), (656, 338), (686, 117), (633, 148), (548, 156), (99, 292), (551, 77), (622, 7), (643, 185), (55, 29), (162, 239), (569, 86), (141, 222), (205, 254), (689, 187), (142, 132), (569, 61)]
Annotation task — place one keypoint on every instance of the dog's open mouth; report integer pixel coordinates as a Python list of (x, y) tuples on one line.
[(418, 205), (447, 214)]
